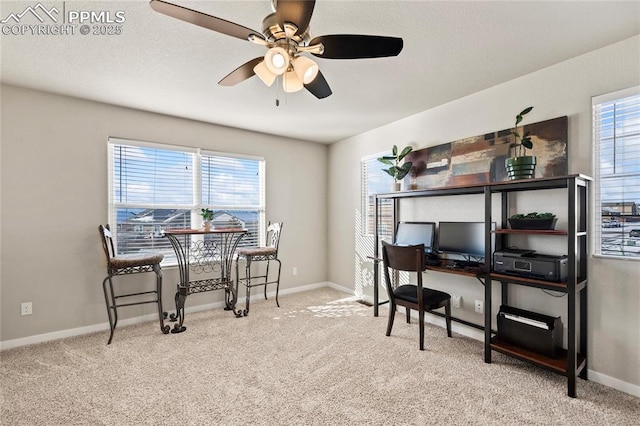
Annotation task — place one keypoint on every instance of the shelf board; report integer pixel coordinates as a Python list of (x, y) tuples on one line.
[(469, 271), (532, 231), (503, 186), (558, 365), (551, 285)]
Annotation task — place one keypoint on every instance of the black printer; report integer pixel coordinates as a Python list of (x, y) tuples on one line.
[(528, 263)]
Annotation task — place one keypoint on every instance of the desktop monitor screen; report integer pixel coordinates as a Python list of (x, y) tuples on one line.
[(414, 233), (465, 238)]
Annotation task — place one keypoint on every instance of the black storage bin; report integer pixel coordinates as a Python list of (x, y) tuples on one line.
[(529, 330)]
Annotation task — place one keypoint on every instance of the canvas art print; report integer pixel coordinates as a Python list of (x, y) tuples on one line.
[(480, 159)]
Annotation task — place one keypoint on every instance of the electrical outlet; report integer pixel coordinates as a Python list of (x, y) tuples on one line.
[(294, 271), (479, 306), (26, 308), (456, 300)]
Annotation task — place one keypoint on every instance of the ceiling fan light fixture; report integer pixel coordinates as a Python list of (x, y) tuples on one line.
[(264, 74), (277, 60), (291, 83), (306, 69)]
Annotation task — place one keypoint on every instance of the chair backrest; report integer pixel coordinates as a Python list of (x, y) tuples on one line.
[(402, 258), (107, 242), (273, 235)]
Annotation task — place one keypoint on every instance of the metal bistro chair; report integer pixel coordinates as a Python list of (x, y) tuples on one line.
[(125, 265), (412, 296), (260, 254)]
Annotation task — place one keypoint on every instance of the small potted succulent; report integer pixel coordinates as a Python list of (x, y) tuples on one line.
[(207, 218), (397, 171), (535, 220), (521, 165)]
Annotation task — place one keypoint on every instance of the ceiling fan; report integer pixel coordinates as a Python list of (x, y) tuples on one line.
[(285, 33)]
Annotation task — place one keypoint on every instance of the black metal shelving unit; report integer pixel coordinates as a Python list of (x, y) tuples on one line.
[(572, 362)]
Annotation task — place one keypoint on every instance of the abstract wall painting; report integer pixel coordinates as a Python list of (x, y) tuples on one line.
[(480, 159)]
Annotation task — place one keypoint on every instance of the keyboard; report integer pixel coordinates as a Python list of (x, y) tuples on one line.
[(432, 262), (465, 264)]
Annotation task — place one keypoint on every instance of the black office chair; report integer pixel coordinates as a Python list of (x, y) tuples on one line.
[(412, 296), (260, 254), (125, 265)]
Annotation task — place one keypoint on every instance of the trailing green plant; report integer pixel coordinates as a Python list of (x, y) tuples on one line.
[(207, 214), (533, 215), (397, 171), (520, 148)]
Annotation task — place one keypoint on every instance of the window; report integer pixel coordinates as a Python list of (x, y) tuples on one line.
[(155, 187), (375, 181), (616, 133)]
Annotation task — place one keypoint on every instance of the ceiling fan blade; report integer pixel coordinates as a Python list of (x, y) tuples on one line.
[(351, 46), (202, 19), (319, 87), (241, 73), (297, 12)]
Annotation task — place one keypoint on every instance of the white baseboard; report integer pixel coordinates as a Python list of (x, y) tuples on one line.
[(614, 383), (462, 329), (343, 289), (62, 334)]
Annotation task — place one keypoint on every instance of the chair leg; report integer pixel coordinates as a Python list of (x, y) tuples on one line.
[(164, 328), (278, 281), (392, 315), (421, 327), (447, 316), (408, 315), (111, 304), (237, 280), (266, 279), (247, 283)]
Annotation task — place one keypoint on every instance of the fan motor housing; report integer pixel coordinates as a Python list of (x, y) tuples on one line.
[(274, 33)]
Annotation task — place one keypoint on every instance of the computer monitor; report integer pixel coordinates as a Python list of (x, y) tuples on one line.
[(414, 233), (463, 238)]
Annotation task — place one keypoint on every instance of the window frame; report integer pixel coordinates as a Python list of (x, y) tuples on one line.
[(600, 178), (366, 229), (196, 203)]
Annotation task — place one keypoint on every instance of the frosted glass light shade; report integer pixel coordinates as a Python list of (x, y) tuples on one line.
[(306, 69), (277, 60), (291, 83), (264, 74)]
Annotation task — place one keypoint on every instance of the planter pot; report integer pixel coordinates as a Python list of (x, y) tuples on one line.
[(533, 223), (521, 167), (395, 187), (206, 225)]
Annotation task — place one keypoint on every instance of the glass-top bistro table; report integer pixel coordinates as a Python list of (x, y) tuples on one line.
[(208, 254)]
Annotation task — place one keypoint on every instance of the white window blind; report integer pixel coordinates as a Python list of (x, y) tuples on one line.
[(375, 181), (232, 188), (616, 132), (156, 187)]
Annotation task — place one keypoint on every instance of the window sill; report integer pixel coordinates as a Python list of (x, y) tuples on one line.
[(610, 257)]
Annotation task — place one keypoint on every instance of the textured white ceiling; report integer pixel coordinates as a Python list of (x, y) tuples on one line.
[(451, 49)]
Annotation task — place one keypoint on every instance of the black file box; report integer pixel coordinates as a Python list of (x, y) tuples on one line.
[(530, 330)]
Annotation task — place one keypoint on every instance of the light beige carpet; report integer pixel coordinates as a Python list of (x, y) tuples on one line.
[(322, 358)]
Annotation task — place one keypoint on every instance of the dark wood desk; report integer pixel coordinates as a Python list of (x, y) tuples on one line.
[(212, 254)]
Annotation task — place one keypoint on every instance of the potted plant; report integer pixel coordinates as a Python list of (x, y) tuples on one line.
[(397, 171), (521, 165), (533, 220), (207, 218)]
